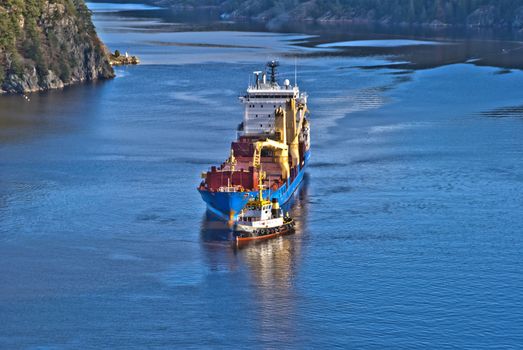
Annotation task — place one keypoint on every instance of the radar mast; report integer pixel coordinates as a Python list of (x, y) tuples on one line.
[(273, 65)]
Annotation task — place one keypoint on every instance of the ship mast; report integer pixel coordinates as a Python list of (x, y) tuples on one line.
[(272, 65), (260, 185), (232, 163)]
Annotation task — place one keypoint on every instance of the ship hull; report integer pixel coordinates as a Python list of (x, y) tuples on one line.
[(243, 240), (227, 205)]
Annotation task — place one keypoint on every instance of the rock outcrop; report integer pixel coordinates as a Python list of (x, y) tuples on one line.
[(484, 16), (47, 44)]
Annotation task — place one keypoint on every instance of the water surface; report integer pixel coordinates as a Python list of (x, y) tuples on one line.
[(409, 221)]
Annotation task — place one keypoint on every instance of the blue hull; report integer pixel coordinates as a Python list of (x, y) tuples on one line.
[(228, 205)]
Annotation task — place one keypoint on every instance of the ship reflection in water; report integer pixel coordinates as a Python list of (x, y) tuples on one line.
[(271, 266)]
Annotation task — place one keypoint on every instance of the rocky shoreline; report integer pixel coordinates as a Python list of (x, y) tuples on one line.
[(49, 44), (117, 59)]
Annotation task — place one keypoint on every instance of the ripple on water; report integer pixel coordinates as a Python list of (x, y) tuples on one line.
[(504, 112), (125, 257), (379, 43), (184, 273), (326, 165), (379, 129)]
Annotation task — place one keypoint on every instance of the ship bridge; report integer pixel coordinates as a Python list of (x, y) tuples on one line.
[(263, 99)]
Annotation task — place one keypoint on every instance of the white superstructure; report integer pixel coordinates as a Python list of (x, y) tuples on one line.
[(263, 99)]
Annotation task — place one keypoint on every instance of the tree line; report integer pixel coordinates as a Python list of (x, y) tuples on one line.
[(410, 11)]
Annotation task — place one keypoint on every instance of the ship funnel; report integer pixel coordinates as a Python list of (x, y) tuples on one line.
[(276, 212)]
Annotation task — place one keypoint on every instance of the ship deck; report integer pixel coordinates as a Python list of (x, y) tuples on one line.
[(272, 170)]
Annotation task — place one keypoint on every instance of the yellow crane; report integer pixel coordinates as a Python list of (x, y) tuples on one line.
[(282, 154), (294, 143), (282, 146)]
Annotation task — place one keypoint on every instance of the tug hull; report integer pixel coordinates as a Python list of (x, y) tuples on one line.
[(243, 240)]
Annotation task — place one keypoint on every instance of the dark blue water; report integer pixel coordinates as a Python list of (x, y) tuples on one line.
[(409, 222)]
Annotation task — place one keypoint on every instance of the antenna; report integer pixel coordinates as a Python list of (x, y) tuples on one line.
[(260, 184), (295, 71)]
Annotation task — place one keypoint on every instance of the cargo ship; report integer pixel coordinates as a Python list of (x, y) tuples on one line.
[(273, 143)]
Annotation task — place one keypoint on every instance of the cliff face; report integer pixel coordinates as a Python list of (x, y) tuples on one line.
[(47, 44)]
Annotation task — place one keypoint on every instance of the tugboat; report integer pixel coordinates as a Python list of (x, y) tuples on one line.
[(261, 220)]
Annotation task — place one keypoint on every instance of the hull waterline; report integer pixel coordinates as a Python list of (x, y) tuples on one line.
[(227, 205), (243, 241)]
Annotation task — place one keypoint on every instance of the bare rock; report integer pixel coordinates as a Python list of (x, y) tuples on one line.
[(484, 16)]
